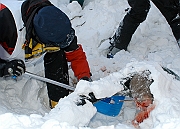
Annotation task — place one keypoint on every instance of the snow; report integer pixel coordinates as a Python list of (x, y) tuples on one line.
[(24, 103)]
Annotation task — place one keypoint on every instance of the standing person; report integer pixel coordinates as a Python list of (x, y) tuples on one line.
[(49, 26), (8, 38), (136, 15)]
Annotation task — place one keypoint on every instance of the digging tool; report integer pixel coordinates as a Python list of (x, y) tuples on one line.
[(130, 100), (49, 81), (110, 106)]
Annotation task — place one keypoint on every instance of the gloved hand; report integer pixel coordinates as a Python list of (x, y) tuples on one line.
[(73, 46), (91, 97), (86, 79), (14, 68)]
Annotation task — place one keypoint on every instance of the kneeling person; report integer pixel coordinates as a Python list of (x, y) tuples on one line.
[(50, 26)]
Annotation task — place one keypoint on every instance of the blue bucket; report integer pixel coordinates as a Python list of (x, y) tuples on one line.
[(110, 106)]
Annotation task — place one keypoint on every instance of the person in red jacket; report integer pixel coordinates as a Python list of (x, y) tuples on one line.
[(8, 37), (52, 27)]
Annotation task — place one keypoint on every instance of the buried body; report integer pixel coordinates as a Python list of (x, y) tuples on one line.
[(147, 86), (139, 87)]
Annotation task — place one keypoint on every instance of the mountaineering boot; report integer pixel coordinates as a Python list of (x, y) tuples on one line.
[(112, 51), (52, 104)]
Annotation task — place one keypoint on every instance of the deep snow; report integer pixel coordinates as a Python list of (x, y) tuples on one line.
[(24, 104)]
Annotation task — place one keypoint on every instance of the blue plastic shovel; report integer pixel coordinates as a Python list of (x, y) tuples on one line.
[(110, 106)]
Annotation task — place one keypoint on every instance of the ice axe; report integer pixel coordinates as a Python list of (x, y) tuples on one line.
[(110, 106)]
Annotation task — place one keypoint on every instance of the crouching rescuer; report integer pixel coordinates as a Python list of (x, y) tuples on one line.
[(50, 28)]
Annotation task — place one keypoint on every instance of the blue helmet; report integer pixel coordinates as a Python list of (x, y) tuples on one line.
[(53, 27)]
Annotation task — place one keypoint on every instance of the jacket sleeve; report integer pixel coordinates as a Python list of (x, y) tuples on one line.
[(79, 63), (8, 31), (2, 64)]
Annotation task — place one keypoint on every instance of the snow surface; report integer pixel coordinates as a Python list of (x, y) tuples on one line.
[(24, 103)]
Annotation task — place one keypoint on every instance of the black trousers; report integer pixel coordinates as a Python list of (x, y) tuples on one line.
[(138, 13), (56, 68)]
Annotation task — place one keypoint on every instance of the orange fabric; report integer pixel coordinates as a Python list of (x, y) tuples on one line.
[(79, 63), (142, 115), (2, 6)]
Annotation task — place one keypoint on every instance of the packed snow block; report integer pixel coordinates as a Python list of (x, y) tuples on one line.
[(110, 106)]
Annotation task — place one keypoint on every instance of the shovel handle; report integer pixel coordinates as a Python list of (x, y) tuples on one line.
[(49, 81)]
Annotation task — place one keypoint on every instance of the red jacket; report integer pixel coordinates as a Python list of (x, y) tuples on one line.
[(79, 63), (8, 30)]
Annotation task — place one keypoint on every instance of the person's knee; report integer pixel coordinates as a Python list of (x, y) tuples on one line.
[(131, 2), (138, 17), (139, 11)]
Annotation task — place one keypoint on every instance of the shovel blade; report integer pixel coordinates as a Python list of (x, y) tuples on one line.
[(110, 106)]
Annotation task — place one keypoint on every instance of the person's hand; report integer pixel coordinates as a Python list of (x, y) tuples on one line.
[(86, 79), (91, 97), (14, 68)]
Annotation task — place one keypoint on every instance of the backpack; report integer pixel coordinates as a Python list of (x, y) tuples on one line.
[(33, 46)]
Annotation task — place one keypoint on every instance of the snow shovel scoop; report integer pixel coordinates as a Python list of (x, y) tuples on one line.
[(110, 106)]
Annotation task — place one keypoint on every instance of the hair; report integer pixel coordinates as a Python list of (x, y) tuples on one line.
[(140, 87)]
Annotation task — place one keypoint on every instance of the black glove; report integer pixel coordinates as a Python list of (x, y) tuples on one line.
[(73, 46), (91, 98), (14, 68), (86, 79)]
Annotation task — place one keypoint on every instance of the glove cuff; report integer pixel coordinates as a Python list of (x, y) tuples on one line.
[(2, 66), (73, 46), (86, 79)]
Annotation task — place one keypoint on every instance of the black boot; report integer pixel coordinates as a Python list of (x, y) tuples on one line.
[(122, 37)]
